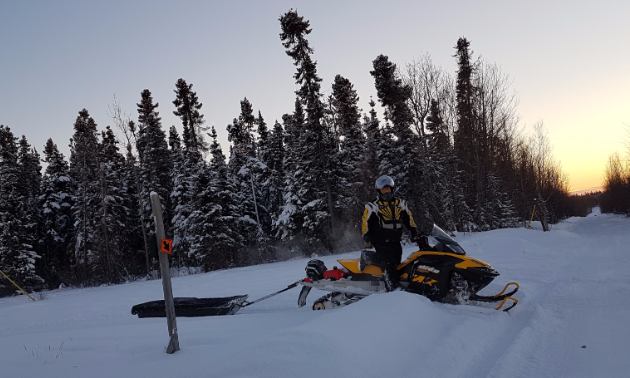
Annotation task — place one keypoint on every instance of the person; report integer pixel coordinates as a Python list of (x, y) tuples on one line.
[(382, 228)]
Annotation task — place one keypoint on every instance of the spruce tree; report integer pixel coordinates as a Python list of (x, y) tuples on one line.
[(499, 210), (17, 253), (188, 106), (371, 162), (288, 223), (112, 212), (404, 162), (349, 186), (309, 203), (216, 241), (180, 195), (155, 160), (30, 189), (262, 143), (56, 201), (136, 261), (264, 175), (435, 177), (275, 164), (438, 140), (188, 166), (466, 138), (244, 172), (84, 168)]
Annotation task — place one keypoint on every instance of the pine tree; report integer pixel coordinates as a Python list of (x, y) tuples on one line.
[(188, 106), (135, 260), (112, 212), (309, 203), (387, 152), (435, 177), (17, 256), (56, 201), (262, 142), (216, 241), (293, 36), (275, 164), (466, 138), (265, 185), (180, 196), (499, 211), (84, 168), (371, 162), (288, 223), (188, 166), (244, 171), (349, 186), (137, 227), (438, 138), (155, 160), (30, 188), (404, 161)]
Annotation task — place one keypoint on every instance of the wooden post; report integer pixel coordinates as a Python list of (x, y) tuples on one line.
[(173, 344), (542, 213)]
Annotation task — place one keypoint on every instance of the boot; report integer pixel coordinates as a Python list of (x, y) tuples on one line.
[(390, 280), (367, 258), (389, 285)]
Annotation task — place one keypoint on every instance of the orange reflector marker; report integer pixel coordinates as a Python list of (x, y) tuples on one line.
[(166, 246)]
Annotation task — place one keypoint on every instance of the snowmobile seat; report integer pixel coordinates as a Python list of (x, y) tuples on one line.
[(353, 267)]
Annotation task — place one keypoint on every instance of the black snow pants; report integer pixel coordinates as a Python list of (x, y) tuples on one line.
[(387, 256)]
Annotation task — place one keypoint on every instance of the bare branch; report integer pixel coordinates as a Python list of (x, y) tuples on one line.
[(122, 121)]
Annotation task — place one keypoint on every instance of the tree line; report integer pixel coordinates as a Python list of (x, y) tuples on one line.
[(615, 197), (452, 143)]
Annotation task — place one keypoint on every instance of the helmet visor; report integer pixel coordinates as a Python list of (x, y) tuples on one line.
[(384, 181)]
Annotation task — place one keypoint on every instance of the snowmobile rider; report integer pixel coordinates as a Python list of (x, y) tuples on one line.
[(382, 228)]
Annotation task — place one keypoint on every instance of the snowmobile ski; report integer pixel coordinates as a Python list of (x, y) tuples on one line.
[(335, 300), (498, 297), (501, 297)]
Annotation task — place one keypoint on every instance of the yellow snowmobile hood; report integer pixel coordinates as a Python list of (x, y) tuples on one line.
[(352, 265)]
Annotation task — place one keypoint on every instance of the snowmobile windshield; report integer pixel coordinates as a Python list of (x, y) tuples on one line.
[(450, 245)]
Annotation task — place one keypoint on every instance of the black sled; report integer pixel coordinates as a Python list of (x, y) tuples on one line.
[(192, 307)]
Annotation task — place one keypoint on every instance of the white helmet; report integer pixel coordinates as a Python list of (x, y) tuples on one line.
[(382, 182)]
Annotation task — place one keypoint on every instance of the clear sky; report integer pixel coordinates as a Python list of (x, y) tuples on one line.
[(568, 60)]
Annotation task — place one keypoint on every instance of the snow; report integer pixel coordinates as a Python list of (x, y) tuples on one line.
[(573, 280)]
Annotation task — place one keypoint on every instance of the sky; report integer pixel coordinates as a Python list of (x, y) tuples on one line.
[(568, 61)]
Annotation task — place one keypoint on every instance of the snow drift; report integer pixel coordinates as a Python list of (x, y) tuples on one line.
[(570, 321)]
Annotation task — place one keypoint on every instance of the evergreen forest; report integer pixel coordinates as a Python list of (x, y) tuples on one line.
[(284, 188)]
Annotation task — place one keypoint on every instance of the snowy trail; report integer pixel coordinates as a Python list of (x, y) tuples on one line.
[(573, 280)]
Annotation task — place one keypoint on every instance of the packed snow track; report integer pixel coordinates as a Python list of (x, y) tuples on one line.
[(571, 320)]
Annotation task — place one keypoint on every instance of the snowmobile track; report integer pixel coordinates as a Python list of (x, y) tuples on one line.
[(483, 368)]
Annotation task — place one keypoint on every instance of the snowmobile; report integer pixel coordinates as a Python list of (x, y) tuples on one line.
[(441, 271)]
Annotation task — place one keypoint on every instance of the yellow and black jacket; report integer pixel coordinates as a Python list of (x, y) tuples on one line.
[(383, 221)]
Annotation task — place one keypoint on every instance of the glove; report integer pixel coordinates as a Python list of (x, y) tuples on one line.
[(423, 243)]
